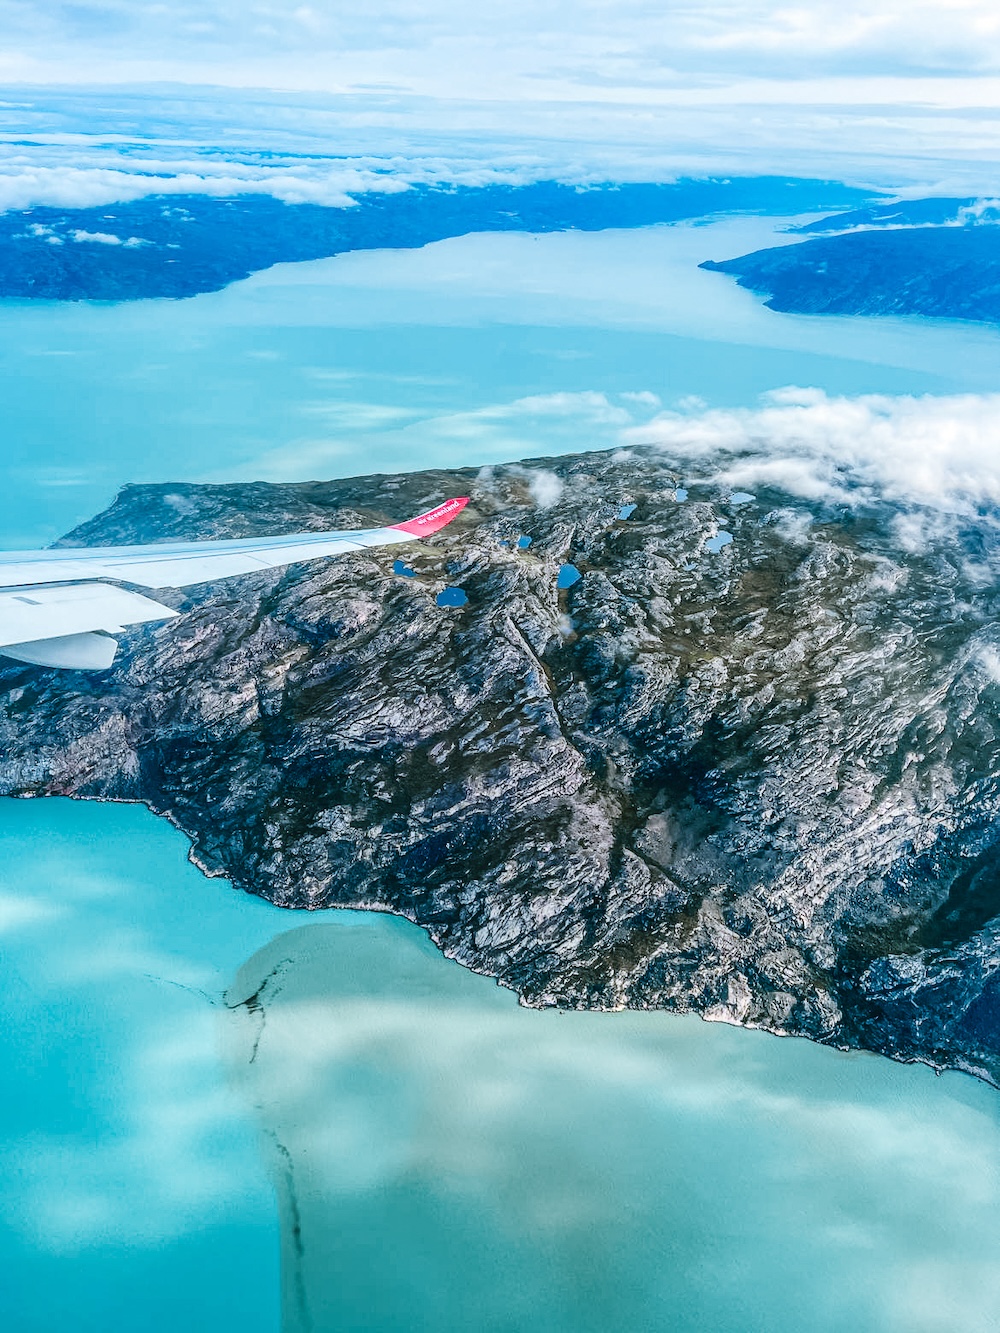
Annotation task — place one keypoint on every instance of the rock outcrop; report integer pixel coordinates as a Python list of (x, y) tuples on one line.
[(758, 782), (938, 272)]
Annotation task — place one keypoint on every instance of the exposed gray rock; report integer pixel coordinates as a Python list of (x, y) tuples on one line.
[(760, 784)]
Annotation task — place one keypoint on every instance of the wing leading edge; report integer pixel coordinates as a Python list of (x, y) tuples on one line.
[(57, 610)]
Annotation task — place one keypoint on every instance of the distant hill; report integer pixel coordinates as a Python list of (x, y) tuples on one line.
[(176, 246), (968, 212), (950, 272)]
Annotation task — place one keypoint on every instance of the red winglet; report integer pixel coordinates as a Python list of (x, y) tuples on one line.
[(435, 519)]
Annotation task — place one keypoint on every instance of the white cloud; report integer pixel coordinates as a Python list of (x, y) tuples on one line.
[(942, 452), (408, 42), (546, 488), (596, 407), (83, 148), (540, 424), (72, 185), (938, 453), (98, 237)]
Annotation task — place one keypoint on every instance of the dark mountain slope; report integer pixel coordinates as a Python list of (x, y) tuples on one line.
[(947, 272)]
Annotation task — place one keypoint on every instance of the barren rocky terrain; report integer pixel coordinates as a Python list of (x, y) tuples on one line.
[(758, 782)]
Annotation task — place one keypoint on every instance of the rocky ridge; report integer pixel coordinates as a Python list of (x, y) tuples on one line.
[(938, 272), (759, 783)]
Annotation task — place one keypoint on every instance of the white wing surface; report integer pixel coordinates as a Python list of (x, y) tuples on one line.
[(59, 607)]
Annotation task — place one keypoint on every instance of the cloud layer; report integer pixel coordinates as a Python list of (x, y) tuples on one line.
[(934, 457), (940, 452), (624, 43), (891, 90)]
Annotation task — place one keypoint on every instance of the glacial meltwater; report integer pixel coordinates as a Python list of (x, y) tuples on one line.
[(471, 351), (132, 1194), (194, 1082)]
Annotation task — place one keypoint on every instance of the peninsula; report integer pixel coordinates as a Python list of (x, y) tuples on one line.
[(637, 764)]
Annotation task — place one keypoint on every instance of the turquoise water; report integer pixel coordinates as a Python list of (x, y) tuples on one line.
[(471, 351), (452, 1162), (715, 544), (131, 1192), (441, 1159)]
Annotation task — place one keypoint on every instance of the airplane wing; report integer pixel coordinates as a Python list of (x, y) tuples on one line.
[(59, 607)]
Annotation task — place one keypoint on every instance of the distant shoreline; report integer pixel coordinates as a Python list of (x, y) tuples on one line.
[(180, 245)]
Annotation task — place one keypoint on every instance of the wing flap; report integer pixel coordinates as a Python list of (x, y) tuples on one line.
[(28, 615), (73, 652)]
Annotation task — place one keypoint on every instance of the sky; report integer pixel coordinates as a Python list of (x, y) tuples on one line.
[(905, 92), (505, 48)]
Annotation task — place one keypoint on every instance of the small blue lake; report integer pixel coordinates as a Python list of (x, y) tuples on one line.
[(453, 597), (719, 542)]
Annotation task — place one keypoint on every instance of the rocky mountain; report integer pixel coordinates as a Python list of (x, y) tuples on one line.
[(756, 779)]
